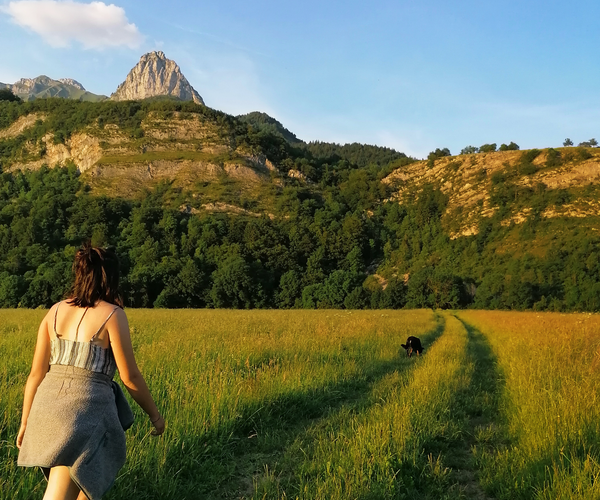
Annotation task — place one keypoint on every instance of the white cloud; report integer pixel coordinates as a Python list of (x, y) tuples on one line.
[(95, 25)]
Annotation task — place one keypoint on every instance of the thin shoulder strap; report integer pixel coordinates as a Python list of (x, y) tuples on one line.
[(103, 324), (55, 316), (79, 324)]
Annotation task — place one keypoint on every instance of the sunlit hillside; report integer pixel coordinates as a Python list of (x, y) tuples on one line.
[(213, 210)]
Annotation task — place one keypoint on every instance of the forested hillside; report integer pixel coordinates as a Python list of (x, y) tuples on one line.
[(235, 215)]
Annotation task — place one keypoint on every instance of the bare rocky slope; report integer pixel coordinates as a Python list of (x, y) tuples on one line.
[(478, 185)]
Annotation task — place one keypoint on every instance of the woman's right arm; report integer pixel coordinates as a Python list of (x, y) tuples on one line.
[(120, 340), (39, 368)]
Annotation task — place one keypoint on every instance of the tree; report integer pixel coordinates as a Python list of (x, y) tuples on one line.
[(592, 143), (233, 285), (567, 142), (510, 147), (439, 153), (434, 155), (394, 295), (7, 95), (12, 288), (469, 150), (356, 299), (290, 289), (488, 148), (183, 290)]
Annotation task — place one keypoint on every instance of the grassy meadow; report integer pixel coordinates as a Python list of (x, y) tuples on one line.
[(325, 405)]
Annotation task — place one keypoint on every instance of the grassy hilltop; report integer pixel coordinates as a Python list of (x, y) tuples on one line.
[(213, 210)]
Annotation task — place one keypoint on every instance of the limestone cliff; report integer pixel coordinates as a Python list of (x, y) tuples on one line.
[(155, 75)]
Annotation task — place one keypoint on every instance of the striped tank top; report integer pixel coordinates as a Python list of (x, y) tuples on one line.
[(86, 355)]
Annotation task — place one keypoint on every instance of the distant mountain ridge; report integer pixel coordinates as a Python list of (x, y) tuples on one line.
[(44, 86), (155, 75)]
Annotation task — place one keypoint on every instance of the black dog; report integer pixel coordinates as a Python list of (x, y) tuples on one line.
[(413, 344)]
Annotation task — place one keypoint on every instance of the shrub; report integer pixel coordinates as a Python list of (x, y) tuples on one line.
[(498, 178), (454, 165), (527, 167), (553, 158), (583, 154)]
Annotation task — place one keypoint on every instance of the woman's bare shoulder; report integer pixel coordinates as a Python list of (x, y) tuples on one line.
[(50, 315), (116, 313), (52, 311)]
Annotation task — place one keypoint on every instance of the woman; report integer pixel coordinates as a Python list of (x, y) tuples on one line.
[(70, 425)]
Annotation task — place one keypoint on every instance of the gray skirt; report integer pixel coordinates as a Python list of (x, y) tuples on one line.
[(74, 422)]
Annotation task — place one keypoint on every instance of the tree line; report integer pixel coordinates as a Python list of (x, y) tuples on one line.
[(317, 256)]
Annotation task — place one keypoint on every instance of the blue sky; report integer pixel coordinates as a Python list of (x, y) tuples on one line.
[(412, 75)]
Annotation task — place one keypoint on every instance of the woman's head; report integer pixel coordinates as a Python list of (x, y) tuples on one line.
[(96, 277)]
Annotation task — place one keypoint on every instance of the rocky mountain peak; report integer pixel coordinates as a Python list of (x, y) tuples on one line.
[(27, 84), (73, 83), (155, 75)]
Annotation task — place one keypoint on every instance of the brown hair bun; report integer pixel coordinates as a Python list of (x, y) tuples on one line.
[(96, 277)]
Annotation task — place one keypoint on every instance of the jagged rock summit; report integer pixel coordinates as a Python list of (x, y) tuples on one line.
[(73, 83), (153, 76)]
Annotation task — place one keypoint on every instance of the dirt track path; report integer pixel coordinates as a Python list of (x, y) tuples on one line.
[(478, 406)]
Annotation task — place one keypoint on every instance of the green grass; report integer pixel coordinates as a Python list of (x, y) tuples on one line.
[(326, 405)]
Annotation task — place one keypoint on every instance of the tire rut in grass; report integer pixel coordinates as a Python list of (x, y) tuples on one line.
[(478, 407), (347, 398)]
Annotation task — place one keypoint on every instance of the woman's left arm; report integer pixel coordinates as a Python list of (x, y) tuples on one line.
[(39, 368)]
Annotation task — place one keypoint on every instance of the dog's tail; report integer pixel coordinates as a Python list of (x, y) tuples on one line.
[(404, 346)]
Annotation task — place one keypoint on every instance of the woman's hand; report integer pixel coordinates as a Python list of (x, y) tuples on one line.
[(159, 425), (20, 436)]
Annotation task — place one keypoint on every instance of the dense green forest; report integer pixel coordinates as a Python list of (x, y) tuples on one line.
[(320, 250)]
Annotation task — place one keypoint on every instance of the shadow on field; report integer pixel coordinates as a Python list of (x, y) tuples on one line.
[(475, 413), (520, 478), (222, 464)]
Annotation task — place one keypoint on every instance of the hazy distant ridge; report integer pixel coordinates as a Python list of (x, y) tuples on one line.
[(44, 86)]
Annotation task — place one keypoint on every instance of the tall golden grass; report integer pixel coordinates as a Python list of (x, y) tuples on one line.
[(225, 380), (378, 449), (326, 405), (548, 431)]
